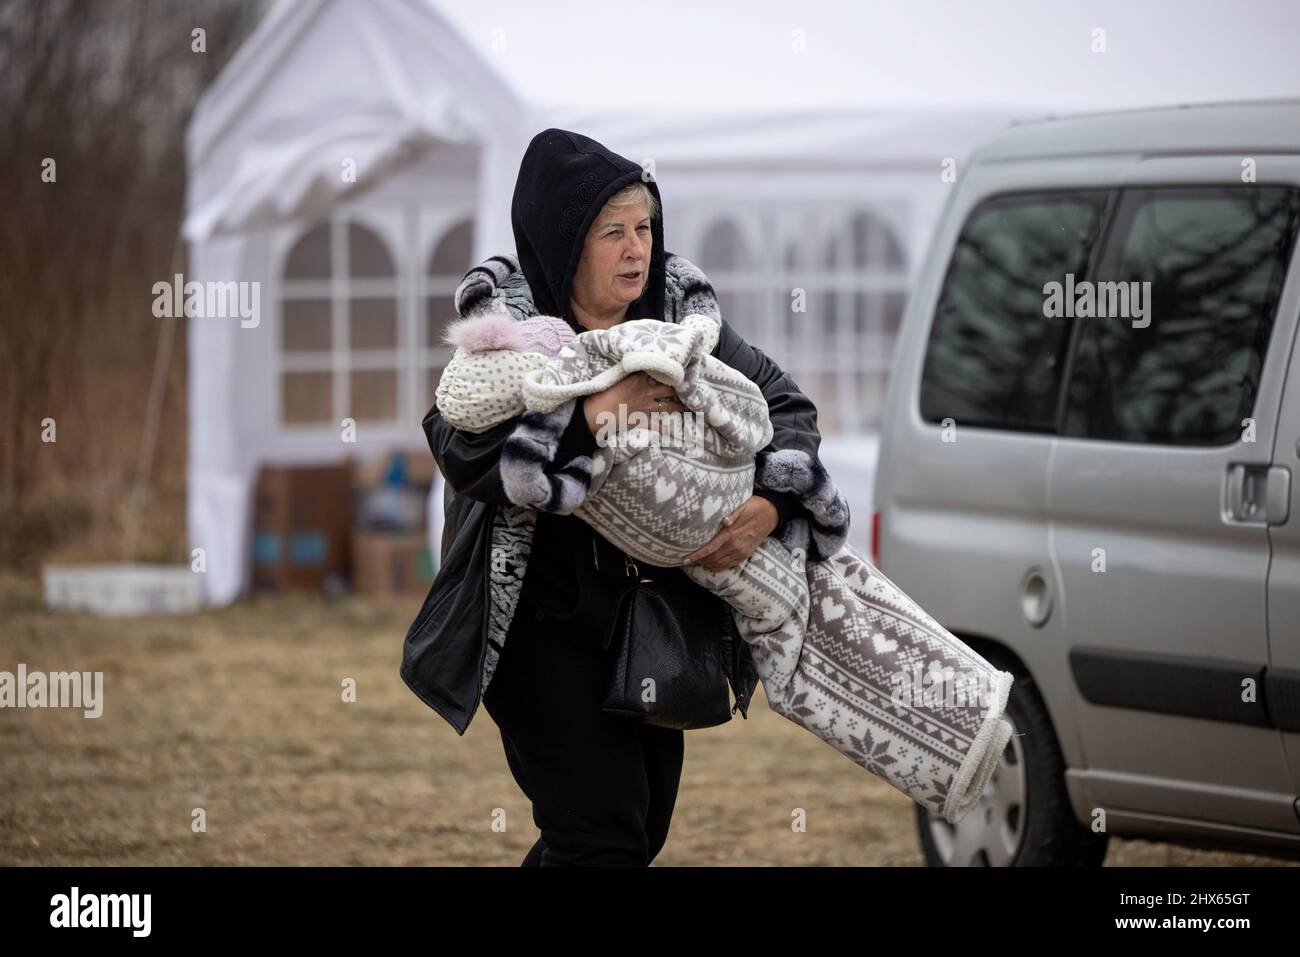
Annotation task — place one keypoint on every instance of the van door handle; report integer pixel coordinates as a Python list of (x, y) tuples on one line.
[(1258, 494)]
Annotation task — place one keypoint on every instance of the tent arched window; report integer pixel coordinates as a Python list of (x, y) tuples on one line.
[(726, 260), (450, 260), (852, 322), (339, 348)]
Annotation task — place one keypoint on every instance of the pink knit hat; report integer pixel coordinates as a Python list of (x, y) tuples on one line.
[(496, 330), (546, 334)]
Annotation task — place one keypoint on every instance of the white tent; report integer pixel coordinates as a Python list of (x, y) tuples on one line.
[(321, 89), (354, 159)]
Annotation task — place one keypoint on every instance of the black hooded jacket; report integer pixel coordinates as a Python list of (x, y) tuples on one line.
[(564, 181)]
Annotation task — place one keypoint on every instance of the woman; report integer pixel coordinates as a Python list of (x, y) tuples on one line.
[(589, 239)]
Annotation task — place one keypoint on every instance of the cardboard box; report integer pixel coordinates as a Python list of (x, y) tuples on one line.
[(384, 504), (420, 467), (391, 563), (302, 526)]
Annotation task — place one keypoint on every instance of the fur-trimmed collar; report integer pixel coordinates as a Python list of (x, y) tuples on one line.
[(498, 284)]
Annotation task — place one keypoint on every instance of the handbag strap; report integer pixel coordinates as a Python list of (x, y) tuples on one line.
[(616, 620), (630, 569)]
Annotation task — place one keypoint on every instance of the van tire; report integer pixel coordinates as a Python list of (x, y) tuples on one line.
[(1051, 837)]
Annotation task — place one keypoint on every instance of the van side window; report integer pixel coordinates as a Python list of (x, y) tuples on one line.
[(1186, 372), (994, 359)]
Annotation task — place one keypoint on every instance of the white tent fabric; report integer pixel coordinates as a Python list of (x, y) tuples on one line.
[(437, 490), (836, 138), (780, 157), (321, 84), (318, 84), (219, 477)]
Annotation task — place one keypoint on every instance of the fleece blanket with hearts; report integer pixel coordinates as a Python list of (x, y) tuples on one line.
[(840, 649)]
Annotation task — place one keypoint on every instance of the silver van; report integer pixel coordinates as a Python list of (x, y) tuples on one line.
[(1087, 472)]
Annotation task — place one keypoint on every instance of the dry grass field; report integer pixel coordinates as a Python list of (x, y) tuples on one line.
[(240, 712)]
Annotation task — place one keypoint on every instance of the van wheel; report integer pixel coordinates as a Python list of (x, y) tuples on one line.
[(1023, 819)]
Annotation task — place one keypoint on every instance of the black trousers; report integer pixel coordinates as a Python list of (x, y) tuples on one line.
[(602, 787)]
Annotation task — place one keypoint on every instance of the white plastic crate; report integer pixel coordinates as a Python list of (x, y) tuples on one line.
[(123, 589)]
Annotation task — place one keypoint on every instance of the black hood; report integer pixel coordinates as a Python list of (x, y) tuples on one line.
[(564, 181)]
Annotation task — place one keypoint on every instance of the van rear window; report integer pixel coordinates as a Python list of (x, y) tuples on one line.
[(994, 359)]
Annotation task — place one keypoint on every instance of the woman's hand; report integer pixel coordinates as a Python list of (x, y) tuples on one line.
[(741, 533), (639, 392)]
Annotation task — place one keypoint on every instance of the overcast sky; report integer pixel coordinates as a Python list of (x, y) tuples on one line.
[(738, 54)]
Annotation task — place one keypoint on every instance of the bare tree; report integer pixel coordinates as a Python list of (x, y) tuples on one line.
[(94, 103)]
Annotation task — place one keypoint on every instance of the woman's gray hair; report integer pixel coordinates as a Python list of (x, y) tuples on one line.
[(632, 194)]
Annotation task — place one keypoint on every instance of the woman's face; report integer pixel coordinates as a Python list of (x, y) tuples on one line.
[(618, 244)]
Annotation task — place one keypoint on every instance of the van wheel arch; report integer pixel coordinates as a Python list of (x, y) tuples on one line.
[(1046, 831)]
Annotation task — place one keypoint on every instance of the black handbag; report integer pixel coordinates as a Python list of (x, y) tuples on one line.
[(663, 672)]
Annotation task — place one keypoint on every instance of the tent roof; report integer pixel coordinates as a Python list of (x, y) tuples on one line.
[(320, 82), (839, 137)]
